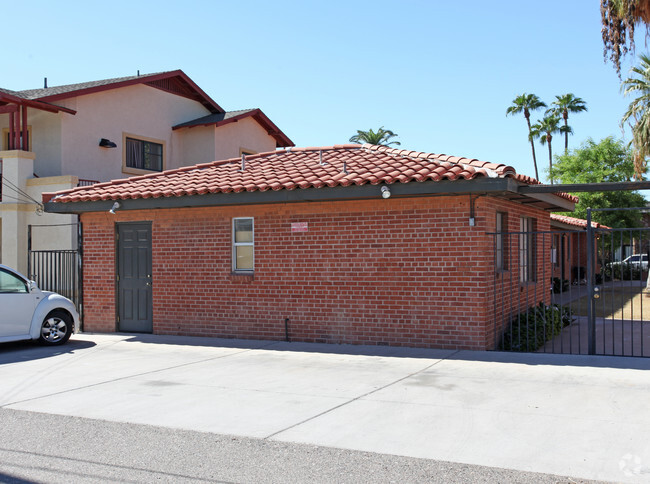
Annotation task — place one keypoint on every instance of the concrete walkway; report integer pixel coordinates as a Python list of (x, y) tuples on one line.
[(580, 416)]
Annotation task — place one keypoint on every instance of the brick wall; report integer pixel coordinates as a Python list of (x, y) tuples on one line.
[(405, 272)]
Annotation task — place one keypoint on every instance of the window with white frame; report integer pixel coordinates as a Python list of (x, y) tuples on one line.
[(243, 244), (527, 250), (501, 262)]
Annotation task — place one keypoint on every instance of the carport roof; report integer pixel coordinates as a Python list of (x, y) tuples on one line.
[(348, 171)]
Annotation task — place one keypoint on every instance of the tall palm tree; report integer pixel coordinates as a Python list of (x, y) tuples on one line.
[(380, 137), (637, 115), (526, 103), (562, 106), (544, 130)]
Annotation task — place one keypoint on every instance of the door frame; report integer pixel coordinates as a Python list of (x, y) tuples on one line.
[(149, 223)]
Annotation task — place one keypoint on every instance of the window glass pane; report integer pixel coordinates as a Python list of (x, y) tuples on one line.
[(144, 155), (244, 257), (10, 283), (243, 230)]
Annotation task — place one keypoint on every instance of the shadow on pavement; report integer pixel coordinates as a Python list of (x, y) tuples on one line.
[(400, 352), (31, 350)]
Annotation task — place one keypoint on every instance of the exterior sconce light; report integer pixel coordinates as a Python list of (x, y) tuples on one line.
[(115, 206), (385, 192), (105, 143)]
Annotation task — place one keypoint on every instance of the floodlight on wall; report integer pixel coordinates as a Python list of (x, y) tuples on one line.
[(385, 192), (105, 143), (115, 206)]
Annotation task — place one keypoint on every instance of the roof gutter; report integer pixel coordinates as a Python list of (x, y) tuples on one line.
[(503, 187)]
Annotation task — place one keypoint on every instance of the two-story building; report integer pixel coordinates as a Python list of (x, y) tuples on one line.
[(61, 137)]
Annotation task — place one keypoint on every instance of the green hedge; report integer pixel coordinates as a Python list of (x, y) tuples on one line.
[(621, 271), (531, 329)]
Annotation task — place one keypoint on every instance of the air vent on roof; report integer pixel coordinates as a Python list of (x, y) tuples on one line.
[(320, 158), (45, 83), (243, 162), (345, 167)]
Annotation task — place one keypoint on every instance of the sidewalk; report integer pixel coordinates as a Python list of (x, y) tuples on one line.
[(579, 416)]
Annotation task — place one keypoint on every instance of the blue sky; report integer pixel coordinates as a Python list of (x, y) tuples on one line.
[(439, 74)]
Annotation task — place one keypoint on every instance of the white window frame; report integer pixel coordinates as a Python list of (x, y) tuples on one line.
[(236, 244)]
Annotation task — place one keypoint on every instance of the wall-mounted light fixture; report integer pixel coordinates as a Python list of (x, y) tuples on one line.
[(105, 143), (115, 206), (385, 192)]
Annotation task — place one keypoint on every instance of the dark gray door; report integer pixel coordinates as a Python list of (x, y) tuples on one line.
[(134, 277)]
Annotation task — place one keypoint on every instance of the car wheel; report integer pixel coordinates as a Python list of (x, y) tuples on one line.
[(56, 328)]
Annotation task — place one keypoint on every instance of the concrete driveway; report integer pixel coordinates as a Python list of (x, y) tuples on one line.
[(580, 416)]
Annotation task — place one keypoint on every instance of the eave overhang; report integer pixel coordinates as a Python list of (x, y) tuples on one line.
[(191, 90), (498, 187), (8, 99), (281, 139)]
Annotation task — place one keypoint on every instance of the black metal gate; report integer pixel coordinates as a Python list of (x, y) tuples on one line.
[(57, 270), (582, 291)]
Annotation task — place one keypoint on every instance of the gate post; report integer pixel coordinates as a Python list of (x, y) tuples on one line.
[(591, 323)]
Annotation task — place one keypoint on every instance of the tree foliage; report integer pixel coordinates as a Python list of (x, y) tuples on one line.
[(561, 107), (637, 115), (525, 103), (609, 160), (619, 20), (381, 137)]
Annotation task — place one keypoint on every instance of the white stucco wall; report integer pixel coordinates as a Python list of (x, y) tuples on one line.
[(51, 231), (245, 134), (139, 110), (197, 145)]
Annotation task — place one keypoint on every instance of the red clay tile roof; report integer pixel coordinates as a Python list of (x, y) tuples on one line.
[(289, 169), (577, 222)]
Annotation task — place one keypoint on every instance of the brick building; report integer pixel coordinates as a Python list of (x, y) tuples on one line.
[(347, 244)]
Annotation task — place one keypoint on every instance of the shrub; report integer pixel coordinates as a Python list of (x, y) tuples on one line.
[(621, 271), (531, 329)]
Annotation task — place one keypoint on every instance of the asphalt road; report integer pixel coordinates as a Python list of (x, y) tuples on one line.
[(54, 449), (144, 408)]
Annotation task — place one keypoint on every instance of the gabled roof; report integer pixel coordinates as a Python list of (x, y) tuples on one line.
[(220, 119), (175, 82), (575, 222), (348, 171)]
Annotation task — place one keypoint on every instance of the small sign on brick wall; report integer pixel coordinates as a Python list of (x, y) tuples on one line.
[(300, 227)]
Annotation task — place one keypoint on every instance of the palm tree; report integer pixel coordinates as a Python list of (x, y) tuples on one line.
[(562, 106), (526, 103), (544, 130), (380, 137), (619, 19), (637, 115)]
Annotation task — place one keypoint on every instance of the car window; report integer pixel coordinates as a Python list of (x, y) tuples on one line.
[(11, 283), (634, 258)]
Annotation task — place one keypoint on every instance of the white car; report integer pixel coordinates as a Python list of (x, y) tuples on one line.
[(26, 312), (638, 260)]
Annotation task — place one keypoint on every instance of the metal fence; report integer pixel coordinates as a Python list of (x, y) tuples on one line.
[(57, 270), (572, 292)]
